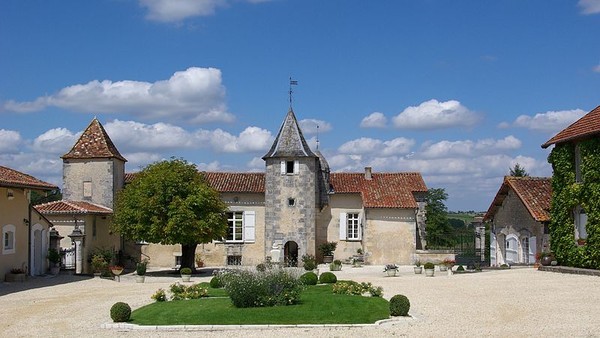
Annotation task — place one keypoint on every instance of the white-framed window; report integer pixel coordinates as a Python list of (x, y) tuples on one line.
[(350, 226), (353, 224), (235, 233), (241, 227), (87, 189), (8, 239), (580, 223), (290, 167)]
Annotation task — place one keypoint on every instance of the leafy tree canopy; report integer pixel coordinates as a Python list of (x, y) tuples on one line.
[(169, 202), (518, 171), (439, 230)]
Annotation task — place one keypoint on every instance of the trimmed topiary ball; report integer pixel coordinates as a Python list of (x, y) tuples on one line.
[(399, 305), (120, 312), (309, 278), (327, 278), (216, 282)]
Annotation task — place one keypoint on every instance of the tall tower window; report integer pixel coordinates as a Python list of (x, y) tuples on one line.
[(87, 189), (289, 167)]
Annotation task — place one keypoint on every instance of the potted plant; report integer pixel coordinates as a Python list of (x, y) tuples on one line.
[(359, 258), (54, 259), (418, 268), (116, 270), (429, 269), (15, 275), (391, 270), (140, 270), (186, 274), (336, 265), (545, 257), (199, 260), (99, 265), (448, 264), (327, 250)]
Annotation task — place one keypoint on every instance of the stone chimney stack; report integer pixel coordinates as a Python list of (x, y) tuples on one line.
[(368, 173)]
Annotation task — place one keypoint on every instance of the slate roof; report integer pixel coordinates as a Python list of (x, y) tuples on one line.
[(585, 127), (289, 141), (534, 192), (16, 179), (94, 143), (72, 207), (384, 190)]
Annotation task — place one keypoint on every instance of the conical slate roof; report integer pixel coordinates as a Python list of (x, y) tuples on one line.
[(94, 143), (289, 141)]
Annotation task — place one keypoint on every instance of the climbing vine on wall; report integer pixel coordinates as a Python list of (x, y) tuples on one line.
[(567, 195)]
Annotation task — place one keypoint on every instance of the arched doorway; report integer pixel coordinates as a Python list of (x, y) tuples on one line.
[(290, 253)]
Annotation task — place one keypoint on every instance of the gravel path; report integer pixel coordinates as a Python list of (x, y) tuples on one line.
[(518, 302)]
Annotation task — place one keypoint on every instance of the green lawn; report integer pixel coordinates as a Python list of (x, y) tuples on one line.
[(318, 306)]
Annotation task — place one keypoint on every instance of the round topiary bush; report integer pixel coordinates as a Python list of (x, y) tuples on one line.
[(120, 312), (216, 282), (399, 305), (327, 278), (309, 278), (460, 268), (429, 265)]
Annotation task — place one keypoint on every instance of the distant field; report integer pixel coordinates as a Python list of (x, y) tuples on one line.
[(465, 217)]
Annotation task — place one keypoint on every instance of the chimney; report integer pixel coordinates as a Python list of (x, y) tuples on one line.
[(368, 174)]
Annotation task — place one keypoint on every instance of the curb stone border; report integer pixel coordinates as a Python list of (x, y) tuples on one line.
[(135, 327)]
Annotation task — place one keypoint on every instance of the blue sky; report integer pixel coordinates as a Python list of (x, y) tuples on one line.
[(457, 90)]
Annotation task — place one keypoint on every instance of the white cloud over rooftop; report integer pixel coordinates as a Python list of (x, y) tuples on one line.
[(551, 121), (434, 114)]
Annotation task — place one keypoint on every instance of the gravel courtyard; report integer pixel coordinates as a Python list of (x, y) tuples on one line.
[(518, 302)]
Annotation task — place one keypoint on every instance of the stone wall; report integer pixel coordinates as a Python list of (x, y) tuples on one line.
[(104, 175)]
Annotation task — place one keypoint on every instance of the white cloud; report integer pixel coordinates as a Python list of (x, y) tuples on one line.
[(364, 145), (178, 10), (374, 120), (551, 121), (10, 141), (596, 69), (212, 166), (195, 95), (55, 141), (252, 139), (139, 136), (589, 6), (467, 148), (46, 167), (309, 126), (433, 114)]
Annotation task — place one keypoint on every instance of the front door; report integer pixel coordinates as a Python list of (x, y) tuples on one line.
[(290, 253)]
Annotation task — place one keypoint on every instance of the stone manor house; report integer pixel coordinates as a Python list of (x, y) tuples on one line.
[(295, 205)]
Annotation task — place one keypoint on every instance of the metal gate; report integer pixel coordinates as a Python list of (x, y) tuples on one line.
[(469, 247), (68, 258)]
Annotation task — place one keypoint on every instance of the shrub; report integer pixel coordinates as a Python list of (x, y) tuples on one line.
[(460, 268), (309, 278), (120, 312), (160, 295), (309, 262), (261, 267), (185, 271), (216, 282), (504, 266), (337, 262), (399, 305), (194, 291), (327, 248), (358, 289), (327, 278), (268, 288), (429, 265), (140, 267)]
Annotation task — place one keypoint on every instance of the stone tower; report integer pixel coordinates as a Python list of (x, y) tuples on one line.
[(93, 170), (292, 192)]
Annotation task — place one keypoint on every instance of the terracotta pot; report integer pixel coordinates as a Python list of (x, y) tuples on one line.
[(327, 259), (546, 260)]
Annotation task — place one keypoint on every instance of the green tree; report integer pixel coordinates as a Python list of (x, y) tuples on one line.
[(518, 171), (170, 203), (439, 231)]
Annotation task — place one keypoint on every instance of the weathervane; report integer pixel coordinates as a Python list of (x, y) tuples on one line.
[(292, 83), (317, 137)]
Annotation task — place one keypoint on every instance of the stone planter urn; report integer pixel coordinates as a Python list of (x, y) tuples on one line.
[(429, 272), (186, 278), (392, 272), (15, 277), (327, 259), (418, 270), (443, 267), (140, 279)]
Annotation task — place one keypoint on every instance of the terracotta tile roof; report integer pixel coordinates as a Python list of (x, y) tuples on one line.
[(236, 182), (72, 207), (94, 143), (384, 190), (534, 192), (12, 178), (586, 126)]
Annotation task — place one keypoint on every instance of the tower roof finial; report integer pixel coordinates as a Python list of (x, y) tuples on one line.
[(292, 83)]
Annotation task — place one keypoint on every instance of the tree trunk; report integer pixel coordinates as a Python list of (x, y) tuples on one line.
[(188, 256)]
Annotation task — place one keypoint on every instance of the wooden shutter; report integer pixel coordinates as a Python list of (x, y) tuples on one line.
[(493, 250), (532, 249), (249, 226), (296, 167), (282, 167), (343, 226), (360, 226)]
